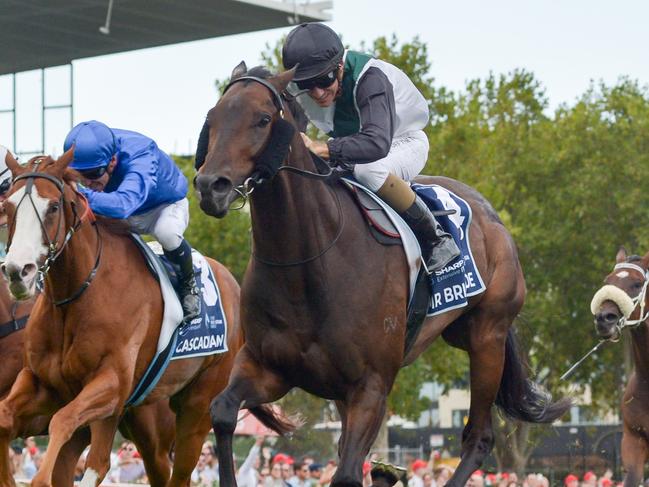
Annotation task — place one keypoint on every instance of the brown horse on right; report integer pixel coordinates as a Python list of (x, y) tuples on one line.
[(623, 303), (324, 305)]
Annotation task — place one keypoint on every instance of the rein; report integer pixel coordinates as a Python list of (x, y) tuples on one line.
[(246, 189), (53, 250)]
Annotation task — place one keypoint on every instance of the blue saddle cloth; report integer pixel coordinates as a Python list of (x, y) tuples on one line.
[(460, 279), (204, 335)]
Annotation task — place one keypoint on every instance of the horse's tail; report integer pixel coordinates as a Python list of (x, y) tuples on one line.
[(274, 420), (520, 397)]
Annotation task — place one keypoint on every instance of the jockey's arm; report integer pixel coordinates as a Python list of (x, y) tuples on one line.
[(375, 101), (132, 192)]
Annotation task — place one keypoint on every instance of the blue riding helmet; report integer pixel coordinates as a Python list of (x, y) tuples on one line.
[(94, 145)]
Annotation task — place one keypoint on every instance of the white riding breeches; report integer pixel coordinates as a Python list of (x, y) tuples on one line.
[(166, 223), (406, 159)]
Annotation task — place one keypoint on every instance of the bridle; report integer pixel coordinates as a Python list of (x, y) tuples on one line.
[(53, 249), (624, 321), (622, 301), (245, 190)]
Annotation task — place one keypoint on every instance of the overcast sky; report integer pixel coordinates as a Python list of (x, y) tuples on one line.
[(165, 92)]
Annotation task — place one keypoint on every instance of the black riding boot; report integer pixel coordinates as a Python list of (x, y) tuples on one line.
[(437, 247), (189, 297)]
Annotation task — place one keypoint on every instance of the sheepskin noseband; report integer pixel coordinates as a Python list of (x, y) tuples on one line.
[(615, 294)]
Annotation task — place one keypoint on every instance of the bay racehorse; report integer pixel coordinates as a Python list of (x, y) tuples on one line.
[(324, 305), (94, 329), (150, 427), (621, 304)]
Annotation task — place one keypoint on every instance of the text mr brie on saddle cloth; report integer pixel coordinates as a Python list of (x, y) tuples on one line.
[(460, 279)]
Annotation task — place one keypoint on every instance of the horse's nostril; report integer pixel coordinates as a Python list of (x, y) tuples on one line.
[(221, 185), (28, 269), (610, 317)]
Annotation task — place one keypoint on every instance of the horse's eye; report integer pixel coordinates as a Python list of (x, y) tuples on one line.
[(265, 120), (54, 208), (637, 285)]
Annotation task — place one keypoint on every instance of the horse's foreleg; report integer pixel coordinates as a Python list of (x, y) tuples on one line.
[(250, 385), (635, 452), (63, 475), (364, 410), (487, 358), (98, 400), (27, 398), (98, 461)]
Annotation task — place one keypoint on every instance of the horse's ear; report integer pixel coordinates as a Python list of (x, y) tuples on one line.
[(645, 260), (64, 161), (239, 70), (621, 255), (281, 81), (10, 161)]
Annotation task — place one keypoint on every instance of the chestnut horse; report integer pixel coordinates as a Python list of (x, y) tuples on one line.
[(324, 305), (94, 330), (623, 303), (150, 427)]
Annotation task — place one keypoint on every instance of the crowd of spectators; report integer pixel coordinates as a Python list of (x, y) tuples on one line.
[(263, 468)]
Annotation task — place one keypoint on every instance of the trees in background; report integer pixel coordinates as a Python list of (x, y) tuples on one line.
[(568, 184)]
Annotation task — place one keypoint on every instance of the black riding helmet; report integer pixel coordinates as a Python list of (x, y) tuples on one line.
[(317, 49)]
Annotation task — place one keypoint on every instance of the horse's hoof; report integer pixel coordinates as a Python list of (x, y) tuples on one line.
[(386, 474)]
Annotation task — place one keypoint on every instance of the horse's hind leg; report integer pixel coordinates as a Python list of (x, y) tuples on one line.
[(363, 413), (193, 421), (635, 453), (487, 357), (152, 428), (250, 385)]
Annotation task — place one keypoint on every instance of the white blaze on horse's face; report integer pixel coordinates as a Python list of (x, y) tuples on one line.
[(27, 243)]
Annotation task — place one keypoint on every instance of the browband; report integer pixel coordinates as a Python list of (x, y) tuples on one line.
[(277, 98)]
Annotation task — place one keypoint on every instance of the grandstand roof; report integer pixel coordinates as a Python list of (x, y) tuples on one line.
[(43, 33)]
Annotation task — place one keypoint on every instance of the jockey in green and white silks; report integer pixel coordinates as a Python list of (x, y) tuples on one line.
[(375, 116)]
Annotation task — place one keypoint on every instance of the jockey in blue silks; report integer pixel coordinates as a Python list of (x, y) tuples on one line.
[(126, 176)]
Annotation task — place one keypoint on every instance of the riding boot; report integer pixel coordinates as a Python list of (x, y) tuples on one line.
[(189, 295), (437, 247)]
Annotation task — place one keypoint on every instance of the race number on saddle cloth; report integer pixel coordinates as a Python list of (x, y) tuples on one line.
[(205, 334), (452, 285)]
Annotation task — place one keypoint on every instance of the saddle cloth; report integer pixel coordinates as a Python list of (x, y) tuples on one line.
[(204, 335), (451, 286)]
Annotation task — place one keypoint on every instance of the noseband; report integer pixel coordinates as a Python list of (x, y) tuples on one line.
[(53, 250), (622, 300)]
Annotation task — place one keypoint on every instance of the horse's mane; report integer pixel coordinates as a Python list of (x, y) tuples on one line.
[(633, 258), (114, 226)]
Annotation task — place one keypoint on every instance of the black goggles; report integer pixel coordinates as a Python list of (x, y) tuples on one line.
[(324, 81), (94, 173)]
